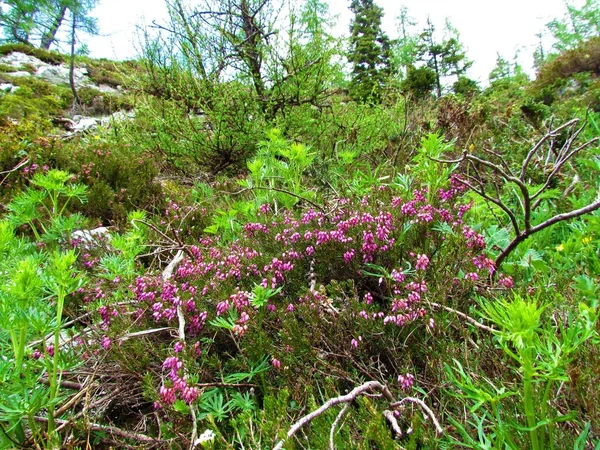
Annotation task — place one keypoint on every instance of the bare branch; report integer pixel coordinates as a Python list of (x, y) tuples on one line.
[(464, 316), (424, 407), (335, 424), (363, 389), (389, 415), (534, 150)]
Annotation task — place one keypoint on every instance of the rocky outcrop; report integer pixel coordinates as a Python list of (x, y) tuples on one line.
[(27, 65)]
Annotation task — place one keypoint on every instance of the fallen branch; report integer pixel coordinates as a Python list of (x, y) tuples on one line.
[(14, 169), (464, 316), (363, 389), (521, 215), (110, 430), (335, 424)]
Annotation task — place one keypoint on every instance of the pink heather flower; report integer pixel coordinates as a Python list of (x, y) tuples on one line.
[(276, 363), (431, 323), (290, 308), (349, 255), (36, 354), (189, 394), (50, 350), (178, 347), (167, 395), (368, 298), (106, 342), (422, 262), (264, 208), (354, 342), (197, 349), (173, 363), (471, 276), (406, 381), (398, 276), (310, 250), (506, 282)]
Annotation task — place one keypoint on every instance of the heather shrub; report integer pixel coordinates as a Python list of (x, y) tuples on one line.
[(336, 289)]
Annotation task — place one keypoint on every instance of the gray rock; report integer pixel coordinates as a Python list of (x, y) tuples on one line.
[(18, 59), (60, 75), (20, 73), (8, 88)]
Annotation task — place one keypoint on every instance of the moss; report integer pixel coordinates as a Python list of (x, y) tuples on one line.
[(4, 68), (34, 98), (47, 56)]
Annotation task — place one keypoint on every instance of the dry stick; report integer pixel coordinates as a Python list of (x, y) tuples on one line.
[(425, 408), (464, 316), (334, 426), (389, 415), (350, 397), (60, 411), (143, 333), (168, 273), (111, 430), (558, 218), (14, 169), (533, 151)]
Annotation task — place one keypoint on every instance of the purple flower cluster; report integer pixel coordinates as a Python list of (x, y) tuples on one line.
[(298, 255), (176, 383)]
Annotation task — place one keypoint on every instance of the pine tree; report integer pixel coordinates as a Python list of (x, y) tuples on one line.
[(370, 52)]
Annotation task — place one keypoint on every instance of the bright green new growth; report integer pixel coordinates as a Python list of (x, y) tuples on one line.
[(542, 351)]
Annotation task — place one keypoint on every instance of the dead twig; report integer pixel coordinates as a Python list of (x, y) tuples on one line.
[(110, 430), (363, 389), (464, 316)]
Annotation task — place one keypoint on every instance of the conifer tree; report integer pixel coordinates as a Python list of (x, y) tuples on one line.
[(370, 51), (445, 58)]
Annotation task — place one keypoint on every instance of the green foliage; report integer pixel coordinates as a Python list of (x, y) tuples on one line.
[(584, 58), (35, 100), (445, 58), (370, 52), (542, 352), (420, 82), (579, 25)]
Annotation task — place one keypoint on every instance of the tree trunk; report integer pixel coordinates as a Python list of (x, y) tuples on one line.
[(251, 50), (49, 37), (437, 76), (76, 99)]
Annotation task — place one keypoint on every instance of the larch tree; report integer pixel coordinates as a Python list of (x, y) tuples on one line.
[(446, 58), (38, 22)]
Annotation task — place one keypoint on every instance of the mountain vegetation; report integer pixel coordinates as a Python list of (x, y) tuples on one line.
[(258, 235)]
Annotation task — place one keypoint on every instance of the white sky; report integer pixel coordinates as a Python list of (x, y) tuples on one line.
[(487, 27)]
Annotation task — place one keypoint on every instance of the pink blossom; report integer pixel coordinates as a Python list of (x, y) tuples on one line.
[(106, 342), (422, 262), (506, 282), (276, 363), (471, 276), (406, 381)]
